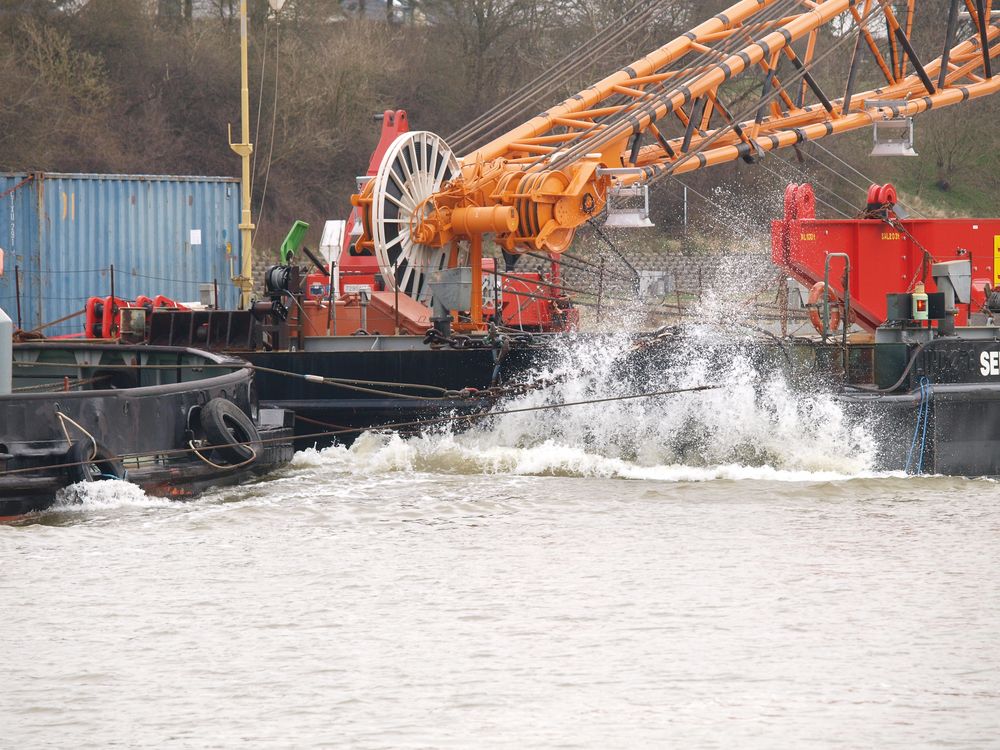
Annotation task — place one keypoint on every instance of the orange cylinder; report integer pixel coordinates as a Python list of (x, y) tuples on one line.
[(470, 220)]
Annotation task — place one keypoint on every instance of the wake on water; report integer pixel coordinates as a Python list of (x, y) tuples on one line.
[(110, 494), (756, 426)]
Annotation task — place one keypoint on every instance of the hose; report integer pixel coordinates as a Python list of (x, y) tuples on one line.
[(906, 371), (920, 429)]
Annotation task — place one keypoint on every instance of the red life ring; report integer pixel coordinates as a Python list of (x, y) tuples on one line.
[(815, 297)]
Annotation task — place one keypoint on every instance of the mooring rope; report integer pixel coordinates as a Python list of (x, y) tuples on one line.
[(920, 429)]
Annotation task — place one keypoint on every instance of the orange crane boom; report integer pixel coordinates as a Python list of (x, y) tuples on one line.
[(664, 114)]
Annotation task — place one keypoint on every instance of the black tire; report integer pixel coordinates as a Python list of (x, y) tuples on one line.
[(103, 466), (224, 422)]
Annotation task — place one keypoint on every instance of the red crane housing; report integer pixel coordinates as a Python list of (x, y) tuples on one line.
[(888, 254)]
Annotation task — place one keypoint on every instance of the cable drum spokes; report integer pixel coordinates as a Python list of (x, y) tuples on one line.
[(415, 167)]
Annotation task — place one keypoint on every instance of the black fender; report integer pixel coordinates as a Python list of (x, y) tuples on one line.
[(83, 468), (224, 423)]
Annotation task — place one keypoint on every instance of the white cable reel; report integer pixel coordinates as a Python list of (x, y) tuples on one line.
[(414, 168)]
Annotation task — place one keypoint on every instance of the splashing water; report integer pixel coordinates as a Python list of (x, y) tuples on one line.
[(755, 425), (105, 495)]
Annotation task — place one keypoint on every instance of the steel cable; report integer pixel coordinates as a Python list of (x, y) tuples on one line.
[(853, 169), (502, 112), (796, 77), (618, 124)]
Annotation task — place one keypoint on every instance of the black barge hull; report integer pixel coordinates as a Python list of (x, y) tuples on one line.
[(388, 373), (142, 429)]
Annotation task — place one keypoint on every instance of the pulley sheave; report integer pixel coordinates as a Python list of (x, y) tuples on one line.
[(415, 167)]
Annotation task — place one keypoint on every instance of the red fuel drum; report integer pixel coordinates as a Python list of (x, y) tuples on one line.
[(887, 256)]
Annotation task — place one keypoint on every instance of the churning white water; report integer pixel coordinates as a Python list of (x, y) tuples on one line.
[(753, 425)]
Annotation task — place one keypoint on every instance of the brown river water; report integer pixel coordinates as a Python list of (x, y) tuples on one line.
[(711, 570)]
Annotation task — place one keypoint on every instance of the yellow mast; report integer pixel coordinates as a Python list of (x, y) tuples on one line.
[(244, 149)]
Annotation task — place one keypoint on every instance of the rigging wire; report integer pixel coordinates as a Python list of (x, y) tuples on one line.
[(581, 138), (618, 124), (729, 45), (856, 171), (803, 174), (616, 32), (274, 119), (549, 80), (389, 426), (798, 74), (260, 98)]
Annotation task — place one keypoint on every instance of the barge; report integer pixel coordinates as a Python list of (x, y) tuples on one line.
[(907, 326), (174, 421)]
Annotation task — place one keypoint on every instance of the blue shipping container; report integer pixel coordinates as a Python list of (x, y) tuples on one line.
[(163, 235)]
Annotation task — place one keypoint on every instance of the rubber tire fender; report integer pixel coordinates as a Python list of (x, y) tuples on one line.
[(103, 466), (224, 422)]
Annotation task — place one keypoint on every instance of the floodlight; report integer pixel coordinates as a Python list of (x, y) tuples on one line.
[(622, 209), (893, 137)]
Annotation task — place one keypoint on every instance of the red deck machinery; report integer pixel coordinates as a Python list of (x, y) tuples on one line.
[(528, 300), (888, 254)]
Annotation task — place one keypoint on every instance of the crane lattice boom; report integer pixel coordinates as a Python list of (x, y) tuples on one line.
[(664, 114)]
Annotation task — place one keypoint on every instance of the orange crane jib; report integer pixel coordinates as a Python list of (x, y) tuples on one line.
[(665, 114)]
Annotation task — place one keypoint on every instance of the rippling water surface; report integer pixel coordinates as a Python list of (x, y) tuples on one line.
[(714, 570)]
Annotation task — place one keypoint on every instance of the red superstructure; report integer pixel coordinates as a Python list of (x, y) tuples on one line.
[(888, 254)]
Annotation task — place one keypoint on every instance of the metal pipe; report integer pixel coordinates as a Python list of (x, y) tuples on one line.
[(6, 353), (497, 313), (17, 293), (852, 74), (244, 149), (576, 303), (948, 42), (113, 305), (917, 65), (648, 65), (395, 296), (984, 42), (619, 171), (600, 291), (334, 293)]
